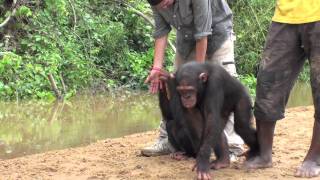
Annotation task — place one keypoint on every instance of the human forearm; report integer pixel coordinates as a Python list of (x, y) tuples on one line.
[(201, 49), (159, 51)]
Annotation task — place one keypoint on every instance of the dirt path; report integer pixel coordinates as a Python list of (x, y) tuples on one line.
[(120, 158)]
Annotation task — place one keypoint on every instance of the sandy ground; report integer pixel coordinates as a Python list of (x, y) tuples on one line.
[(120, 158)]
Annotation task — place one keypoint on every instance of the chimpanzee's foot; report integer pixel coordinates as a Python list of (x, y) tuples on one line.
[(220, 163), (203, 176), (257, 163), (308, 169), (179, 155)]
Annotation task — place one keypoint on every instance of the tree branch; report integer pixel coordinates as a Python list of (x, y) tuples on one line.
[(54, 87), (74, 15), (141, 14), (63, 84), (12, 14)]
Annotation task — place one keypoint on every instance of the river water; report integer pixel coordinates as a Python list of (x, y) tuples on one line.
[(36, 126)]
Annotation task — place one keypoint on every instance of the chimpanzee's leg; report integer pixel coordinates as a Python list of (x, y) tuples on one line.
[(224, 56), (243, 126), (222, 154), (172, 134)]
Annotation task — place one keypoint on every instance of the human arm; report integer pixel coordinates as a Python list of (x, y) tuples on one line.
[(201, 49), (202, 22), (159, 51), (162, 28)]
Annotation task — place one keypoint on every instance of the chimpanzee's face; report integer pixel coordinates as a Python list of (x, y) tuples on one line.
[(188, 95), (189, 87)]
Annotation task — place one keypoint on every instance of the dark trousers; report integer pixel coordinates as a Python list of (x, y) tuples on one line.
[(286, 49)]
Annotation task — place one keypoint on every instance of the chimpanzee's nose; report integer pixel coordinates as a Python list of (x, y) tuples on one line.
[(187, 96)]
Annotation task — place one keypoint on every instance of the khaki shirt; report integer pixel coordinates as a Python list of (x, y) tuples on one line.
[(193, 20)]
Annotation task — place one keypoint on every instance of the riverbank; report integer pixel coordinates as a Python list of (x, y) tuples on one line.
[(120, 158)]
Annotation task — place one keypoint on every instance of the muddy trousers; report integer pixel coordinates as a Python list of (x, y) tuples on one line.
[(287, 47)]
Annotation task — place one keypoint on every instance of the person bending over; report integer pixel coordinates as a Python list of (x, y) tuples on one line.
[(204, 33)]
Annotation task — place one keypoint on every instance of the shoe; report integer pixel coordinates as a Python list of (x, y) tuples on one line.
[(233, 157), (159, 148), (235, 150)]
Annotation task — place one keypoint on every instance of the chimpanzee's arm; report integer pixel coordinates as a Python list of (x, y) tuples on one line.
[(212, 105), (167, 100)]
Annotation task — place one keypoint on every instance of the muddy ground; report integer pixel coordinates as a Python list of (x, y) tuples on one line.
[(120, 158)]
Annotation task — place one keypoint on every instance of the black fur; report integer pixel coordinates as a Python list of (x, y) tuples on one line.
[(199, 129)]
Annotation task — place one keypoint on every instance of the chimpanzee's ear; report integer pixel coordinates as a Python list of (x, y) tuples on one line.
[(203, 77)]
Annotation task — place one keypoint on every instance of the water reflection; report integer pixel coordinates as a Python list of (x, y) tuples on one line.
[(33, 127), (300, 95)]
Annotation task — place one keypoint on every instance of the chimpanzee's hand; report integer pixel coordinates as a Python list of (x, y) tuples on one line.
[(154, 79)]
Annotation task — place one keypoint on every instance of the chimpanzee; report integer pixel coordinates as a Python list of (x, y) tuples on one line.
[(197, 102), (183, 133)]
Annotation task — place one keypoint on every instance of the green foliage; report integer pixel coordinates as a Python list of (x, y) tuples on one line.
[(59, 7), (23, 11), (140, 64), (9, 66), (95, 44), (251, 21), (250, 82), (21, 78), (304, 75), (101, 45)]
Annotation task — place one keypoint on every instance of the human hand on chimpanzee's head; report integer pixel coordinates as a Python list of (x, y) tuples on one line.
[(166, 3), (154, 79), (161, 3)]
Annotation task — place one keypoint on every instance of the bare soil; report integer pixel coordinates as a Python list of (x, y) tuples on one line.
[(120, 158)]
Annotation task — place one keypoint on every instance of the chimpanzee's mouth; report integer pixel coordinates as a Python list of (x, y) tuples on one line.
[(188, 103)]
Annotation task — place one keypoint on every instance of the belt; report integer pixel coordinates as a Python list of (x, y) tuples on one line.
[(227, 62)]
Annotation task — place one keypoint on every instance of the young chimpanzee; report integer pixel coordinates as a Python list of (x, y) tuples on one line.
[(196, 102), (184, 133)]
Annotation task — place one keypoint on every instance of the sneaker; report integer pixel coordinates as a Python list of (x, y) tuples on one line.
[(233, 157), (159, 148), (235, 150)]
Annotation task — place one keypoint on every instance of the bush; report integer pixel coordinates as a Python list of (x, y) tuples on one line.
[(251, 22), (250, 82), (96, 44), (101, 45)]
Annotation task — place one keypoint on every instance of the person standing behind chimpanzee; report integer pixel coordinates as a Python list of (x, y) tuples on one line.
[(204, 32), (293, 37)]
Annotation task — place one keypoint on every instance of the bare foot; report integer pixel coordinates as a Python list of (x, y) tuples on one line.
[(179, 155), (248, 155), (257, 163), (308, 169), (219, 164)]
